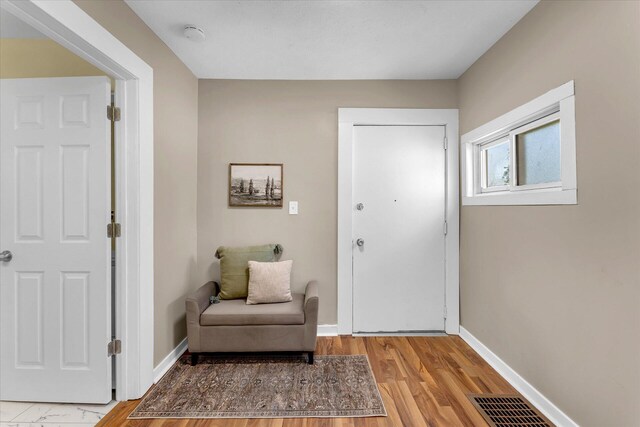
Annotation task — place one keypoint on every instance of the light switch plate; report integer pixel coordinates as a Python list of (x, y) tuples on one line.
[(293, 208)]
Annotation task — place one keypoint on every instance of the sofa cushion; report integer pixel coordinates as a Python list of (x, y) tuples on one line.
[(234, 268), (269, 282), (237, 312)]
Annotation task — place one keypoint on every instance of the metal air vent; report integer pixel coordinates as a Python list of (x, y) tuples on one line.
[(508, 410)]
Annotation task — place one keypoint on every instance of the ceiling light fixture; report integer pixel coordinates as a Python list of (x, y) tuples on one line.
[(194, 33)]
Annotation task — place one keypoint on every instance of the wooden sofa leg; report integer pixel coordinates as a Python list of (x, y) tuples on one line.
[(311, 358), (194, 359)]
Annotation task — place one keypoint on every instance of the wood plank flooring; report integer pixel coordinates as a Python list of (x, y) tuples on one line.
[(423, 382)]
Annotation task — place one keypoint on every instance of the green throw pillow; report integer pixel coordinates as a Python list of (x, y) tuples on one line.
[(234, 267)]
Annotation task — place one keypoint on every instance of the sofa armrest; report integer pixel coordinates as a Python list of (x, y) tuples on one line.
[(311, 302), (311, 296), (198, 301), (195, 304)]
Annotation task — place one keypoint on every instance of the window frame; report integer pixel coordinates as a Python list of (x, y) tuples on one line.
[(555, 105)]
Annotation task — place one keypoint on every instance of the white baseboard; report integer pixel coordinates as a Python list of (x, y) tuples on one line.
[(327, 330), (168, 361), (536, 398)]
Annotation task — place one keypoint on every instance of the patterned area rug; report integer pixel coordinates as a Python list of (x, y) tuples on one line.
[(335, 386)]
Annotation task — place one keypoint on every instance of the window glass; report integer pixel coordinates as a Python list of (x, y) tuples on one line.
[(497, 165), (538, 155)]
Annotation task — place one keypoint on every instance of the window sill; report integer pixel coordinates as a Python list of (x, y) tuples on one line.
[(548, 196)]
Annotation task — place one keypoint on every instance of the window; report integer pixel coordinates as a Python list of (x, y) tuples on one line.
[(525, 157), (537, 153), (495, 158), (530, 152)]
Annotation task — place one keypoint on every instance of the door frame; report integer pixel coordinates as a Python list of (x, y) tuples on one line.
[(67, 24), (347, 119)]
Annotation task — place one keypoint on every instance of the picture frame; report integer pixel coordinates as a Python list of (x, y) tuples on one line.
[(256, 185)]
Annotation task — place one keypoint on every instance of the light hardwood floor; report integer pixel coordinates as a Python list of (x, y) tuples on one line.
[(423, 382)]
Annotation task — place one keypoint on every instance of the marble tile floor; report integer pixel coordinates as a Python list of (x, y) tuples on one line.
[(27, 414)]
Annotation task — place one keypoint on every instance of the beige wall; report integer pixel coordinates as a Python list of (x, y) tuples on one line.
[(175, 142), (31, 58), (295, 123), (555, 290)]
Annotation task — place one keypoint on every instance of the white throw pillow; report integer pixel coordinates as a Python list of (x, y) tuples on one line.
[(269, 282)]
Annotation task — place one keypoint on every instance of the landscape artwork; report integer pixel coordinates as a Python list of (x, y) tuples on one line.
[(255, 184)]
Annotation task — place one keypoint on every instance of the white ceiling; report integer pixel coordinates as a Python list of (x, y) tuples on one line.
[(13, 28), (324, 39)]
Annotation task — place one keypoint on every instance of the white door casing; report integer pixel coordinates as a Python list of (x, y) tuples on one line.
[(349, 119), (55, 192), (399, 214)]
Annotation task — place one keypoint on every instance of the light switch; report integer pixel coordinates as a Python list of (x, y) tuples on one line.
[(293, 208)]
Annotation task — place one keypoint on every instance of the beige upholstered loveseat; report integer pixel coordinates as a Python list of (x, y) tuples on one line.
[(234, 326)]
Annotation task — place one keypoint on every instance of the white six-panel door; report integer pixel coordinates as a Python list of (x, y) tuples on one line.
[(398, 228), (55, 190)]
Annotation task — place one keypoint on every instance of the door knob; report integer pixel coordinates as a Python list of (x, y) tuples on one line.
[(6, 256), (360, 242)]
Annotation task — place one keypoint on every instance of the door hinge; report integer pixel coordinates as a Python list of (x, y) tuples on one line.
[(445, 143), (446, 228), (114, 347), (113, 230), (445, 311), (113, 113)]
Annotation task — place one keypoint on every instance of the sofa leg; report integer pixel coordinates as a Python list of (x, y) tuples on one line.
[(311, 358), (194, 359)]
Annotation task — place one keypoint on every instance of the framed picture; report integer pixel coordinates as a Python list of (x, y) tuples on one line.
[(255, 185)]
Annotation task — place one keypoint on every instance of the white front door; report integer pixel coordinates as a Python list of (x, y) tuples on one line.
[(55, 190), (398, 226)]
